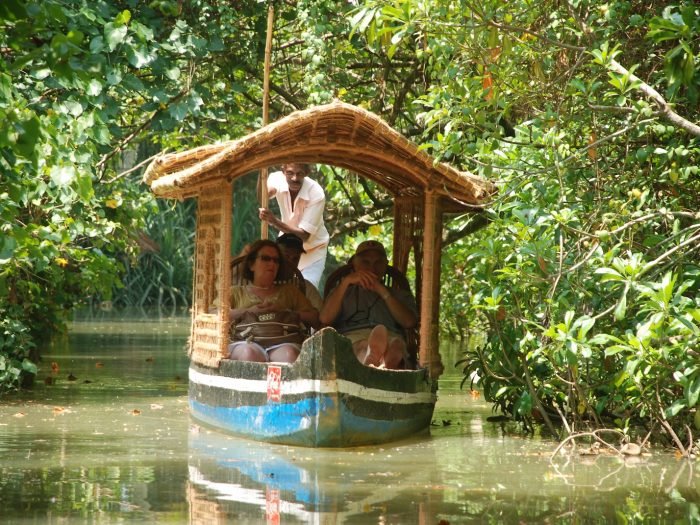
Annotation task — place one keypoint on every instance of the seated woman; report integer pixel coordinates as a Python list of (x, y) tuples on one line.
[(371, 315), (264, 299)]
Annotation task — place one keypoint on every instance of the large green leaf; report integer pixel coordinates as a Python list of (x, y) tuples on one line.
[(693, 392), (114, 34), (28, 137)]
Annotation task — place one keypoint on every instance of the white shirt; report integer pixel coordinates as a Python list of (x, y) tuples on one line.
[(306, 215)]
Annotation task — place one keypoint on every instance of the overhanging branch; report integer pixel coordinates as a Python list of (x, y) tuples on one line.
[(664, 106)]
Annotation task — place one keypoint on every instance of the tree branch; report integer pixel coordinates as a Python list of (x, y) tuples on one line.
[(477, 222), (515, 29), (131, 136), (369, 219), (664, 106), (401, 95), (134, 168), (655, 262)]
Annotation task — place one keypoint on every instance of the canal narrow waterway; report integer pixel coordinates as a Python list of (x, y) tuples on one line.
[(105, 437)]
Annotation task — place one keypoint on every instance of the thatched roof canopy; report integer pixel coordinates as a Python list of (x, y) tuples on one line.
[(336, 134)]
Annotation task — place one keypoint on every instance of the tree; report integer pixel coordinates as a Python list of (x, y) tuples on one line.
[(81, 85), (585, 279), (582, 271)]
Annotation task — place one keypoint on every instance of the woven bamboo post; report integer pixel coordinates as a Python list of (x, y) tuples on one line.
[(404, 227), (224, 268), (429, 353), (210, 315), (266, 111)]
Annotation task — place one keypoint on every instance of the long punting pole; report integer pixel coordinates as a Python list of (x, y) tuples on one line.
[(266, 111)]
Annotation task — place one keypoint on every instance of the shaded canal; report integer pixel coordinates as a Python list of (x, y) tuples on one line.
[(105, 437)]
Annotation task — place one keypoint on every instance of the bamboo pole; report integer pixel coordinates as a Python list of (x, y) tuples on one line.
[(266, 111), (430, 288)]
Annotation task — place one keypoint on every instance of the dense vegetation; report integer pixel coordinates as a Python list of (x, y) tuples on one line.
[(584, 279)]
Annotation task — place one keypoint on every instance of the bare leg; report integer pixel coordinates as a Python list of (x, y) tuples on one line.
[(283, 354), (376, 345), (395, 353), (247, 353), (360, 349)]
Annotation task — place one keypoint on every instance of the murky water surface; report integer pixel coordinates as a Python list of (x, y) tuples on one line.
[(105, 437)]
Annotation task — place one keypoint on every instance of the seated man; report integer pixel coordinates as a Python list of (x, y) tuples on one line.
[(292, 248), (371, 315)]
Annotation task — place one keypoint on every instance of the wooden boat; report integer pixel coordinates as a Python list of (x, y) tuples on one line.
[(326, 398)]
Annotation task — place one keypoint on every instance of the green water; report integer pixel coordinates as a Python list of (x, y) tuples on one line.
[(105, 437)]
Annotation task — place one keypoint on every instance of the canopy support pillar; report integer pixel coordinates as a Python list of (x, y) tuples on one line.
[(429, 353), (212, 276)]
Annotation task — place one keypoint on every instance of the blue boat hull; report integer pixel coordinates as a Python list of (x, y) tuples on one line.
[(325, 399)]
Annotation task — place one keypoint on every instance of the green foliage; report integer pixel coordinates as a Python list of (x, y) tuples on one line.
[(161, 275), (584, 279), (678, 25), (17, 345), (79, 82), (584, 282)]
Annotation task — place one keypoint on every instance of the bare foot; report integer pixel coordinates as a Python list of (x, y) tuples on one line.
[(376, 345), (395, 353)]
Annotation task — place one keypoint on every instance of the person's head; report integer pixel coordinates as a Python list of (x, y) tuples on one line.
[(295, 173), (292, 247), (370, 256), (263, 256)]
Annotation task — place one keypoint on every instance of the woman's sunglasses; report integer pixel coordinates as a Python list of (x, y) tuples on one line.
[(268, 258)]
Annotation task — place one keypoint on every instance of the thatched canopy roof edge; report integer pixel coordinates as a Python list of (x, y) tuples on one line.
[(337, 134)]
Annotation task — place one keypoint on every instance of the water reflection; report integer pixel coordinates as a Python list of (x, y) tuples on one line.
[(294, 485), (446, 479), (116, 445), (106, 437)]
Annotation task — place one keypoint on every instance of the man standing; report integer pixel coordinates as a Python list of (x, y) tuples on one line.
[(301, 201)]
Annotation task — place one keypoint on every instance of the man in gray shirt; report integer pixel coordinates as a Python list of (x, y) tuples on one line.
[(371, 315)]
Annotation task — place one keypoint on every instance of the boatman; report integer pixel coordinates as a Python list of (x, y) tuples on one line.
[(301, 201)]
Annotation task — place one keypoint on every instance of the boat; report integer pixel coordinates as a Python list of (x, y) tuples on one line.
[(326, 398)]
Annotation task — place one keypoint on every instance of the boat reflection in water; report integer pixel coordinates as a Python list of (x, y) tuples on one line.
[(232, 480)]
